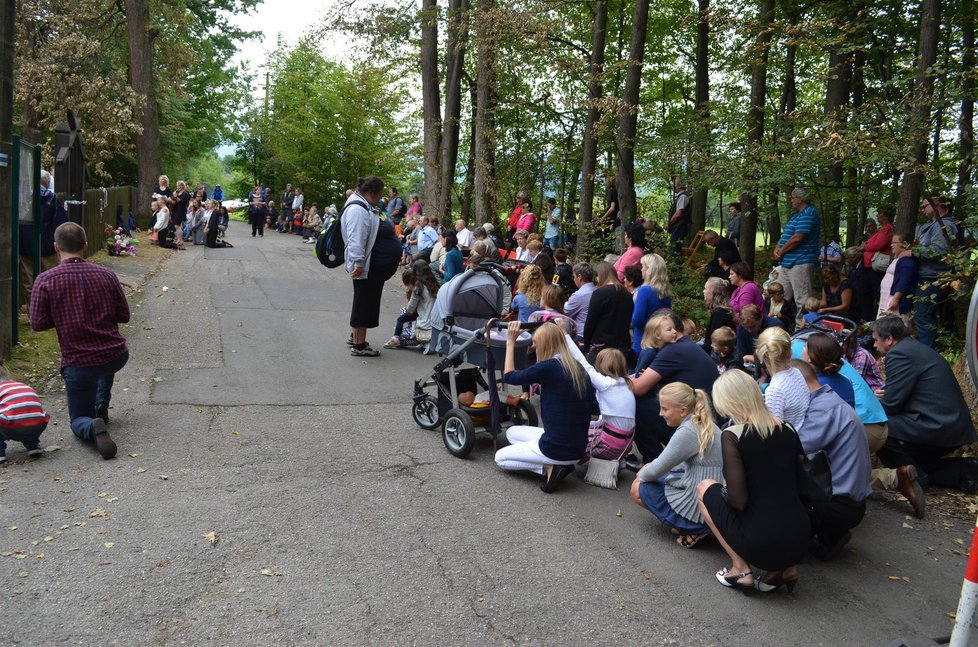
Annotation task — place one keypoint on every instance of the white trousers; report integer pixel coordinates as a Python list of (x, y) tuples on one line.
[(523, 452)]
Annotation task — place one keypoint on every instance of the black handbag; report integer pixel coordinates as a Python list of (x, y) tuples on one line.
[(814, 478)]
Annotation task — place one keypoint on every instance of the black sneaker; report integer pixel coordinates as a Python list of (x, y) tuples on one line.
[(349, 340), (34, 448), (103, 442), (366, 351)]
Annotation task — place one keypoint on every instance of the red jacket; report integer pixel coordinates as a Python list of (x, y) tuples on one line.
[(878, 242)]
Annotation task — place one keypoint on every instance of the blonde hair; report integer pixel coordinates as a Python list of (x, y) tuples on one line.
[(718, 293), (812, 304), (736, 396), (774, 349), (698, 403), (531, 283), (655, 273), (690, 329), (724, 336), (534, 245), (651, 338), (553, 297), (612, 362), (549, 342)]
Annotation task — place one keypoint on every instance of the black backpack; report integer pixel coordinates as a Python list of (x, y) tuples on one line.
[(330, 246)]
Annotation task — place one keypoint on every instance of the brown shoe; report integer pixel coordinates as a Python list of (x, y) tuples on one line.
[(909, 487), (103, 442)]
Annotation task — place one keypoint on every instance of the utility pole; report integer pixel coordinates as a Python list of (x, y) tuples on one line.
[(8, 10)]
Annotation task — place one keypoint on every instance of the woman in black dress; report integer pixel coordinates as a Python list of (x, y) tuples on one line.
[(212, 227), (758, 517), (609, 315)]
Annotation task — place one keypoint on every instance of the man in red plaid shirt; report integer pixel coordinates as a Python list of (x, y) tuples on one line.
[(85, 304)]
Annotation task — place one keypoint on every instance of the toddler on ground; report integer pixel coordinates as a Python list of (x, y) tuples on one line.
[(22, 418)]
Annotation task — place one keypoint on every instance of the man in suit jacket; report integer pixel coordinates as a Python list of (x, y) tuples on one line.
[(928, 417)]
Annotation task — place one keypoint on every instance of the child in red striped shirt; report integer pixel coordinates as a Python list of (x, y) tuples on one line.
[(22, 418)]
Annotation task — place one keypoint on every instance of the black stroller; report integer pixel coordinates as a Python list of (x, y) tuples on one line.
[(470, 332)]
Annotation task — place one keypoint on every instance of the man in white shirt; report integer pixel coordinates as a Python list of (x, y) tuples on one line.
[(577, 305), (464, 235)]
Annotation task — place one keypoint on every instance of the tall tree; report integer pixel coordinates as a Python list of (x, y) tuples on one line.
[(966, 167), (485, 136), (837, 92), (142, 41), (913, 178), (702, 110), (430, 102), (628, 125), (595, 91), (755, 120), (458, 34)]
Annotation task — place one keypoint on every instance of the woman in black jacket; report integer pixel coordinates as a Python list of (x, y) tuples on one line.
[(609, 316)]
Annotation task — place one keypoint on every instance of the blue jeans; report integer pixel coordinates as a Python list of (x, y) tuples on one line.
[(925, 315), (552, 243), (29, 436), (89, 390)]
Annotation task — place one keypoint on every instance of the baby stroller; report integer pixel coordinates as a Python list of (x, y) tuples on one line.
[(840, 328), (470, 333)]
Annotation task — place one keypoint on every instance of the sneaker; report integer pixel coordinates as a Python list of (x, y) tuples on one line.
[(103, 442), (349, 340), (3, 459), (34, 448), (366, 351), (393, 342)]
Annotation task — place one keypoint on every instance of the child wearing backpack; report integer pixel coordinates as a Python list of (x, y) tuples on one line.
[(22, 418)]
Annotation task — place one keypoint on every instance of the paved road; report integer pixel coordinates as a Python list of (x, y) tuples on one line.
[(338, 521)]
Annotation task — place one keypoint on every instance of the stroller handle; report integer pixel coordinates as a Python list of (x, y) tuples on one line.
[(499, 324)]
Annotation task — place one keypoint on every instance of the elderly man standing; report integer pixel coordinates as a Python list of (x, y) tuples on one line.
[(85, 303), (53, 214), (797, 250), (928, 417)]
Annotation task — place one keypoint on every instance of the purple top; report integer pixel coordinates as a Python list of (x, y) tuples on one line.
[(747, 293)]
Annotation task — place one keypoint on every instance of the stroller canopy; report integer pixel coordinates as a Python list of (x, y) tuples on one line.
[(472, 298)]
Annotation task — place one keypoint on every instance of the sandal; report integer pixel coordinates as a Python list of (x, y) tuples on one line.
[(689, 541)]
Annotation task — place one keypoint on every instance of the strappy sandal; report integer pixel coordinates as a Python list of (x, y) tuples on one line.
[(689, 541), (735, 580)]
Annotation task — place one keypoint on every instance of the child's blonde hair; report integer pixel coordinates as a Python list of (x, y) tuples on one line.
[(812, 304), (531, 283), (549, 342), (698, 403), (651, 337), (774, 349), (612, 362), (553, 297), (724, 336)]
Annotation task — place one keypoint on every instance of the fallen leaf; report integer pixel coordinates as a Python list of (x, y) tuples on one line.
[(164, 477), (39, 556), (11, 527), (618, 514), (135, 455), (112, 499), (109, 544), (99, 512), (22, 574), (102, 495), (64, 527), (140, 470), (20, 556), (907, 525), (271, 572), (49, 538), (211, 537), (235, 433)]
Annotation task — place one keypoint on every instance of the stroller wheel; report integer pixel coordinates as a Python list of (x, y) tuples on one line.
[(458, 432), (425, 412), (524, 413)]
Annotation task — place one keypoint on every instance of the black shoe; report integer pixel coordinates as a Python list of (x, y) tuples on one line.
[(557, 474), (103, 442), (103, 413), (632, 464)]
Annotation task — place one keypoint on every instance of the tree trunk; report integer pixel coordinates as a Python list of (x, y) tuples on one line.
[(913, 179), (485, 136), (430, 103), (458, 35), (783, 126), (967, 122), (466, 202), (628, 125), (590, 145), (755, 121), (702, 110), (837, 91), (856, 208), (141, 36)]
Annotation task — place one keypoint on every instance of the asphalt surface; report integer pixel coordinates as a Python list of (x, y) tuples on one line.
[(338, 521)]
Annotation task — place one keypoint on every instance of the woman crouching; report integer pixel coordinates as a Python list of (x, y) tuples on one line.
[(566, 397)]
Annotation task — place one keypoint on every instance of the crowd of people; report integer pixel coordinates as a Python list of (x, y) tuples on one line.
[(181, 216), (717, 423)]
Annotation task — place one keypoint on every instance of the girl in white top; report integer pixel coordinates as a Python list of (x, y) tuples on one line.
[(612, 434), (787, 395)]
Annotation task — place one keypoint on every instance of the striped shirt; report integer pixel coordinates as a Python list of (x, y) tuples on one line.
[(20, 406), (805, 222)]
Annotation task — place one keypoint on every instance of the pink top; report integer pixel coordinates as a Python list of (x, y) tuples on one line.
[(414, 209), (632, 256), (526, 222), (878, 242), (747, 293)]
